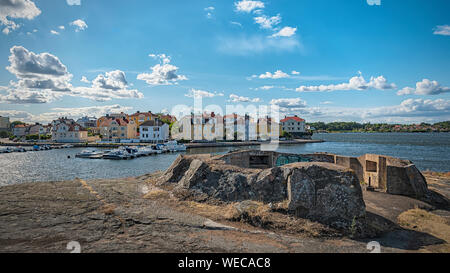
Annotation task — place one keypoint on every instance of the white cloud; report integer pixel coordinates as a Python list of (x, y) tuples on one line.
[(84, 79), (248, 6), (257, 44), (276, 75), (236, 98), (43, 78), (209, 12), (194, 93), (236, 24), (268, 22), (16, 9), (265, 87), (62, 27), (79, 25), (289, 104), (75, 113), (285, 32), (163, 73), (295, 72), (425, 87), (74, 2), (355, 83), (442, 30), (54, 32)]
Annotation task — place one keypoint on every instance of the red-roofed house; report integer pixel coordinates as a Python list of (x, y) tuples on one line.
[(117, 128), (294, 125), (68, 131)]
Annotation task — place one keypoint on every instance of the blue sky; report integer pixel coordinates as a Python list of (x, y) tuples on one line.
[(325, 60)]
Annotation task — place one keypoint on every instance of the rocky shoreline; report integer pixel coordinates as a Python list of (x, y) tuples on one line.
[(141, 215)]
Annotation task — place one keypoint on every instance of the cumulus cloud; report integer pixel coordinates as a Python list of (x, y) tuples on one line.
[(248, 6), (75, 113), (442, 30), (285, 32), (79, 25), (43, 78), (355, 83), (286, 105), (236, 98), (276, 75), (411, 110), (54, 32), (425, 87), (74, 2), (295, 72), (163, 73), (266, 22), (84, 79), (16, 9), (194, 93)]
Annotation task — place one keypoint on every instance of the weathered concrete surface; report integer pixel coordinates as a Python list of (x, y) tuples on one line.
[(326, 192)]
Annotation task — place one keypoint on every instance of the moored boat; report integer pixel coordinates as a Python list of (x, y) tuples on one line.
[(90, 153)]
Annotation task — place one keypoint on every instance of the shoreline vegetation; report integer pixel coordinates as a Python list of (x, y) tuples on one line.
[(354, 127)]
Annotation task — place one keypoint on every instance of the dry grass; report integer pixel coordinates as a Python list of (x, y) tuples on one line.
[(109, 209), (423, 221), (157, 194), (437, 174)]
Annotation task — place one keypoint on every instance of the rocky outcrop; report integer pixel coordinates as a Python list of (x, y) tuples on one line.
[(406, 180), (322, 191), (325, 192)]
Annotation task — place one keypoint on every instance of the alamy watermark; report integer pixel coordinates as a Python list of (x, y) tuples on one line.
[(235, 123)]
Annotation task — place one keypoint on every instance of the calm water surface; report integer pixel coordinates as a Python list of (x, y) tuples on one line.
[(427, 151)]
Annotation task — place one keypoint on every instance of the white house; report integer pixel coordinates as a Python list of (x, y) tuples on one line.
[(68, 131), (154, 131), (294, 125)]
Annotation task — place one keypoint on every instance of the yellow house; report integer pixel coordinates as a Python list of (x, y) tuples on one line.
[(140, 118), (113, 129)]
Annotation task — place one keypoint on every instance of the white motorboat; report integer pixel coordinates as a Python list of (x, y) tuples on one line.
[(117, 154), (173, 146), (67, 146), (90, 153), (145, 151)]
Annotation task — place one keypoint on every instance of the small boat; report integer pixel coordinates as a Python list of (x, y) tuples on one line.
[(67, 146), (37, 148), (18, 149), (133, 152), (173, 146), (117, 154), (90, 153), (145, 151), (4, 150)]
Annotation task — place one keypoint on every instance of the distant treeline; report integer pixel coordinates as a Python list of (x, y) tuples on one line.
[(379, 127)]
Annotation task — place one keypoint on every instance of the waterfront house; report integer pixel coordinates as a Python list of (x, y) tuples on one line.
[(117, 129), (121, 115), (88, 122), (36, 129), (294, 125), (154, 131), (66, 130), (20, 130), (141, 117)]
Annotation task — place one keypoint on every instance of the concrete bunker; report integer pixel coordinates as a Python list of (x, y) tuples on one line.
[(383, 173)]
